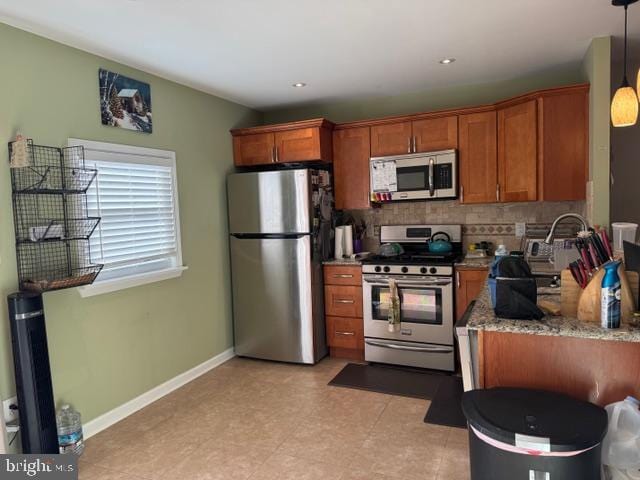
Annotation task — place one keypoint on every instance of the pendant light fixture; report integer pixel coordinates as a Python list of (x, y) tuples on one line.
[(624, 106)]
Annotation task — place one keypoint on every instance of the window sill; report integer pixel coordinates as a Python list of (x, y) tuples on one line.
[(113, 285)]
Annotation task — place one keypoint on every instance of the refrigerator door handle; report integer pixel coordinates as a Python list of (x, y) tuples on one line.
[(274, 236)]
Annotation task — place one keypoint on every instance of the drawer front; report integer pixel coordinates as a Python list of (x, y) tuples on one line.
[(341, 275), (345, 332), (343, 301)]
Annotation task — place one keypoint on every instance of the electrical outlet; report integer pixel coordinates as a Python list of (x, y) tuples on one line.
[(10, 414), (521, 229)]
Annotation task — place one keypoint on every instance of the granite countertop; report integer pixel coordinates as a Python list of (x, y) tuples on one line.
[(483, 318), (480, 262), (342, 261)]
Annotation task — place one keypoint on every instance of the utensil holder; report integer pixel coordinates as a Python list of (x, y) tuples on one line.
[(585, 304)]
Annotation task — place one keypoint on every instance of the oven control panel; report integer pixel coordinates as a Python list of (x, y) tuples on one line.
[(436, 270)]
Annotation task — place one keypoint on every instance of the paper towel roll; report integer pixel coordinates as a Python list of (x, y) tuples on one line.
[(347, 240), (339, 243)]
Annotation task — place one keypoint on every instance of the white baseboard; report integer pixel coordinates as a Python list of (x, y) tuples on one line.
[(113, 416)]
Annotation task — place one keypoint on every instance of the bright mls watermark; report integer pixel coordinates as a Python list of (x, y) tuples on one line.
[(38, 467)]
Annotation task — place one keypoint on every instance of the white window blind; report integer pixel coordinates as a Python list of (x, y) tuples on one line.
[(135, 196)]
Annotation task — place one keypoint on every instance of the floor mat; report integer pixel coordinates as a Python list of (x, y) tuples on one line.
[(390, 380), (446, 406)]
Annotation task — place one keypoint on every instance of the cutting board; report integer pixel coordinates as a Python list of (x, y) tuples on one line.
[(585, 304)]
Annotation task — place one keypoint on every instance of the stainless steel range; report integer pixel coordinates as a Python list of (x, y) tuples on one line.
[(425, 288)]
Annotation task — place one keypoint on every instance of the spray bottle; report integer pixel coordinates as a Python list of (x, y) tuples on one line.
[(611, 295)]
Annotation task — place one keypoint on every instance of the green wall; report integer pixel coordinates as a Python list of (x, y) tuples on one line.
[(106, 350), (596, 68), (447, 97)]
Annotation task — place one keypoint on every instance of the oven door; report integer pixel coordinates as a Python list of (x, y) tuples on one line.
[(426, 309)]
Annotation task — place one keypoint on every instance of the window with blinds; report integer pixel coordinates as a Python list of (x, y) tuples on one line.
[(135, 196)]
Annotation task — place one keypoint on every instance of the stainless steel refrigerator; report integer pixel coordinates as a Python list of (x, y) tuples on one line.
[(279, 224)]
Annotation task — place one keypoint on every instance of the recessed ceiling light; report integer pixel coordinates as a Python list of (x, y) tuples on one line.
[(299, 85), (447, 61)]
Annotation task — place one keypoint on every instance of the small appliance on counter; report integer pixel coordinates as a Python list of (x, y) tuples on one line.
[(415, 176), (425, 284)]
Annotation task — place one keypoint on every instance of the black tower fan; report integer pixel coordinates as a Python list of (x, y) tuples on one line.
[(33, 375)]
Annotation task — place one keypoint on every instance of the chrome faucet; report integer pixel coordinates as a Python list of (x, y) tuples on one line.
[(585, 225)]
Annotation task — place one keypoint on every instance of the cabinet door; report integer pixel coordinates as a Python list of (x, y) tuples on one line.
[(564, 142), (343, 301), (345, 332), (391, 139), (517, 153), (343, 275), (478, 158), (469, 284), (256, 149), (299, 145), (351, 152), (435, 134)]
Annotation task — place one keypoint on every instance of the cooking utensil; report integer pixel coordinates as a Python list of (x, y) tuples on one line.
[(440, 246), (593, 255), (584, 253), (607, 244), (577, 275), (599, 246)]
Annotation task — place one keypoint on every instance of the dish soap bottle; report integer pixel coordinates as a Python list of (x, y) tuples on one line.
[(611, 295)]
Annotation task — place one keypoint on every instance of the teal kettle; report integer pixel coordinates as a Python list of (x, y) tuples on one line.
[(440, 246)]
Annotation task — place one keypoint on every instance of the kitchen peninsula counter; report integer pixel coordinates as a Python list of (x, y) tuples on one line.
[(556, 353), (483, 318)]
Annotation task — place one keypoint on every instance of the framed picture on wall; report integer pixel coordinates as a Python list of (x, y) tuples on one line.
[(125, 102)]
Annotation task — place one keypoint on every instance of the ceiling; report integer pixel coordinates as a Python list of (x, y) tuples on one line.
[(252, 51)]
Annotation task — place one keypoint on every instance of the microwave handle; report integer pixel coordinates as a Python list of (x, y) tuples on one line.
[(432, 186)]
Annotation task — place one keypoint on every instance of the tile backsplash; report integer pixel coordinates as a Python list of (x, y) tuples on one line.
[(494, 223)]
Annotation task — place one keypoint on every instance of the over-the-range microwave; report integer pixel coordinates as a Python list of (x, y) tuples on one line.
[(416, 176)]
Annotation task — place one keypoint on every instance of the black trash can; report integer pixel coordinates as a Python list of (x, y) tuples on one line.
[(518, 434)]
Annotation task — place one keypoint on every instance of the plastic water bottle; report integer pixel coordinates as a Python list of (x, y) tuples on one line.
[(621, 445), (70, 438), (611, 296)]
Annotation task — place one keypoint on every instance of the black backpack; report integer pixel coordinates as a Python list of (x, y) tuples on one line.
[(514, 293)]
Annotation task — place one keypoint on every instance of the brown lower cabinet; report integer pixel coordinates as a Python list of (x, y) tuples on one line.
[(343, 311), (599, 371), (469, 284)]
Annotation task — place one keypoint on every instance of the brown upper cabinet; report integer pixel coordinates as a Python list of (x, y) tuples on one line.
[(425, 135), (433, 134), (477, 154), (256, 149), (563, 129), (305, 141), (391, 139), (532, 147), (517, 152), (351, 152)]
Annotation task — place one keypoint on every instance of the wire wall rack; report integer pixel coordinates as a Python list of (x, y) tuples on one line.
[(52, 226)]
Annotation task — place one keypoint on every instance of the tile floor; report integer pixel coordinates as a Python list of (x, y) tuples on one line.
[(258, 420)]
